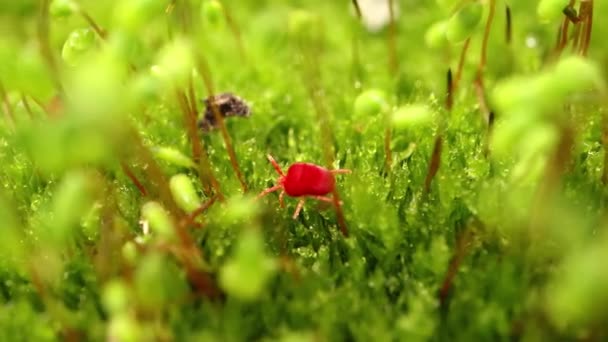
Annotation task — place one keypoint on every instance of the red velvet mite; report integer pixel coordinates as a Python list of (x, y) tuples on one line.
[(304, 180)]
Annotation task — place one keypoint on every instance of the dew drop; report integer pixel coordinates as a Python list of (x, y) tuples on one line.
[(531, 42)]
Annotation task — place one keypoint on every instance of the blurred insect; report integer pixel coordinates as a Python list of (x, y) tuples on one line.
[(304, 180), (227, 104)]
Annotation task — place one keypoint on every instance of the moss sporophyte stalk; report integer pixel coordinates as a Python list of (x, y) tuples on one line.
[(438, 170)]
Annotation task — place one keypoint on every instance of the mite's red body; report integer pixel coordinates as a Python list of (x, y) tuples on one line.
[(304, 180)]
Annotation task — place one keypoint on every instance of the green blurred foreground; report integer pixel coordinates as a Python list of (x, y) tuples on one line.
[(472, 214)]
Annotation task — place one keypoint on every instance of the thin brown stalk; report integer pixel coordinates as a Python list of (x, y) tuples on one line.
[(236, 32), (509, 27), (481, 98), (45, 45), (463, 55), (67, 332), (189, 254), (605, 145), (388, 155), (322, 118), (555, 168), (555, 53), (587, 13), (393, 62), (563, 35), (199, 154), (479, 86), (576, 36), (486, 36), (192, 97), (190, 123), (205, 73), (357, 8), (462, 247), (190, 219), (8, 108), (26, 105), (312, 78), (434, 163), (100, 32), (134, 179), (449, 99), (204, 165)]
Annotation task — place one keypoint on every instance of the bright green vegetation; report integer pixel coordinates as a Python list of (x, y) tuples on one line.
[(120, 221)]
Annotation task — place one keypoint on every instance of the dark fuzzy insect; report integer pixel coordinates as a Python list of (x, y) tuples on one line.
[(228, 105)]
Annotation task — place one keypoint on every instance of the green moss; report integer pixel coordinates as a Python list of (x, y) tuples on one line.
[(507, 243)]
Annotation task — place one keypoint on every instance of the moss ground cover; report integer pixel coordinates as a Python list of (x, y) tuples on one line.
[(475, 131)]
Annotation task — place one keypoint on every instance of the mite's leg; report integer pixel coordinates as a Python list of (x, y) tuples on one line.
[(340, 171), (269, 190), (281, 199), (275, 165), (299, 208), (326, 199)]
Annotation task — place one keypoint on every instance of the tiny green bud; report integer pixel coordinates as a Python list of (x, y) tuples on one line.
[(464, 22), (79, 42), (174, 157), (241, 209), (529, 95), (301, 24), (245, 275), (149, 279), (370, 103), (212, 12), (448, 5), (550, 10), (129, 252), (133, 14), (507, 133), (63, 8), (31, 66), (123, 327), (176, 62), (539, 139), (115, 297), (574, 73), (412, 116), (73, 197), (157, 281), (145, 88), (11, 248), (98, 92), (578, 293), (435, 36), (158, 219), (184, 193)]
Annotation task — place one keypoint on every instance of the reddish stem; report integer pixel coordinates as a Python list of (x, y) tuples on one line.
[(26, 105), (392, 39), (462, 247), (463, 54), (434, 163), (357, 8), (236, 32), (8, 108), (449, 100), (100, 32), (587, 13), (205, 73), (133, 178), (509, 27)]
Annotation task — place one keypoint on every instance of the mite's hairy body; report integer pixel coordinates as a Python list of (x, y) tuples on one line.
[(304, 180)]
